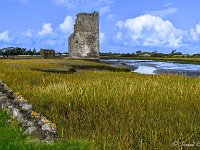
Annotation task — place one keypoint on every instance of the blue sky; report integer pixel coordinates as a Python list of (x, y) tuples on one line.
[(125, 25)]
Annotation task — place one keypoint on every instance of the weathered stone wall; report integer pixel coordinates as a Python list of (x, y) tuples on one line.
[(84, 42), (32, 123)]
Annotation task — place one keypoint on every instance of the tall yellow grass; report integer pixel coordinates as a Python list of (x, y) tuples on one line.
[(112, 110)]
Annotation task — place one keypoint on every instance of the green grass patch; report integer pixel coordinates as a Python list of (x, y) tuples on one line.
[(12, 138)]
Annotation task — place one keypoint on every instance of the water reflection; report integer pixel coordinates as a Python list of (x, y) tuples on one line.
[(145, 70), (157, 67)]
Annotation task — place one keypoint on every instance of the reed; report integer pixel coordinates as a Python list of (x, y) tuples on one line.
[(113, 110)]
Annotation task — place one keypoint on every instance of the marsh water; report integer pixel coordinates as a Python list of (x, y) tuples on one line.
[(156, 67)]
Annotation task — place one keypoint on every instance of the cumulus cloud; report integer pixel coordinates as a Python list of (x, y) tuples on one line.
[(148, 30), (118, 35), (4, 36), (67, 25), (46, 29), (103, 6), (195, 32)]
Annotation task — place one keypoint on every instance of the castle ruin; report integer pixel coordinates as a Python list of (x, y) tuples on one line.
[(47, 53), (84, 41)]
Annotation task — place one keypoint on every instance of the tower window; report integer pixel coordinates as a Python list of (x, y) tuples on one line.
[(76, 41)]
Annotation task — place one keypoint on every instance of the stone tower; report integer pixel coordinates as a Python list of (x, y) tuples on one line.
[(84, 41)]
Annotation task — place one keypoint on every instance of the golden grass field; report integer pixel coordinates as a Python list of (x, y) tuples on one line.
[(110, 110)]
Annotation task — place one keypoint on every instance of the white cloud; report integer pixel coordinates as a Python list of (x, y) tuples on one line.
[(103, 6), (120, 24), (148, 30), (67, 25), (195, 33), (102, 37), (28, 33), (164, 12), (118, 35), (4, 36), (46, 29)]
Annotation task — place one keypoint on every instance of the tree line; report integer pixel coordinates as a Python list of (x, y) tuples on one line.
[(140, 53), (18, 51)]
